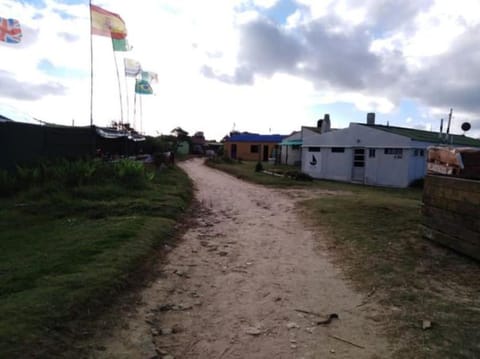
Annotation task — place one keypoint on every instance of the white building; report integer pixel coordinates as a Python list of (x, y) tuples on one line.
[(291, 149), (371, 154)]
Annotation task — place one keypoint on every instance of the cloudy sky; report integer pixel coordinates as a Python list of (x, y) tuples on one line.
[(267, 66)]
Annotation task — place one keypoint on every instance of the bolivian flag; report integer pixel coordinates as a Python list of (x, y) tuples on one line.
[(106, 23)]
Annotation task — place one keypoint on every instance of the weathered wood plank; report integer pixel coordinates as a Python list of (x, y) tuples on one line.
[(465, 248)]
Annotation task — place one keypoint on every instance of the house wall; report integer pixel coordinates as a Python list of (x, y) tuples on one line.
[(382, 169), (244, 150), (388, 169), (290, 156)]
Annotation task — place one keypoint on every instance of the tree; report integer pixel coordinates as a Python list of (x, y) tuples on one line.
[(180, 133)]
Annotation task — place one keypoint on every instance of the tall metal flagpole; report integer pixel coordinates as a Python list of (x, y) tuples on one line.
[(126, 94), (119, 84), (135, 106), (141, 115), (91, 64)]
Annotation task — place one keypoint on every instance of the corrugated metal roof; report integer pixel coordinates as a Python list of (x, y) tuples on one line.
[(425, 136), (254, 137)]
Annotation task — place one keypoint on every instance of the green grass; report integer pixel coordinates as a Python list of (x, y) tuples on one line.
[(65, 252), (375, 237), (246, 170)]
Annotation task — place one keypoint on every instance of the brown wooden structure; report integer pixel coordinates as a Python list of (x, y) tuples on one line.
[(451, 213)]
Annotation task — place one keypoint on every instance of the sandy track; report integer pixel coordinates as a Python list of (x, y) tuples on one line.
[(231, 287)]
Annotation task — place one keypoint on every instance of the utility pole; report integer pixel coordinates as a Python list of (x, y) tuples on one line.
[(448, 125)]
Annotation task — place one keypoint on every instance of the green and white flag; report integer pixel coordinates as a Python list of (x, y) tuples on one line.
[(151, 77), (121, 45), (143, 87)]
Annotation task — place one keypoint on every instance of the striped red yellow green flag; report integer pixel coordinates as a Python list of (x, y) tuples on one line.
[(106, 23)]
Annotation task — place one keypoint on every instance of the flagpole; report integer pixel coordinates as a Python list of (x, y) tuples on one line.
[(119, 84), (141, 115), (91, 64), (126, 94), (134, 107)]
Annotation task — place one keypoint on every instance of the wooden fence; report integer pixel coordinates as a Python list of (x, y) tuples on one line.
[(451, 213)]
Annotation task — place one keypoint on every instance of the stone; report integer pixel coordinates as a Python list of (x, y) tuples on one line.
[(426, 324), (253, 331), (292, 325), (166, 331)]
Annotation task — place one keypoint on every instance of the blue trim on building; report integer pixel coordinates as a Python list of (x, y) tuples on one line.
[(253, 137)]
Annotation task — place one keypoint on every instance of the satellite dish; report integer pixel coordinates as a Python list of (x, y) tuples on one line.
[(466, 126)]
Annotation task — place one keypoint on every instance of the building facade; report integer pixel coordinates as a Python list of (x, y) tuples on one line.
[(371, 154), (252, 147)]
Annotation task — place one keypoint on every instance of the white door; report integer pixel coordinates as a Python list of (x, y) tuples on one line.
[(358, 169)]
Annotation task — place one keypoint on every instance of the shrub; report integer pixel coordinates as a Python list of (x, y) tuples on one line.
[(259, 167), (130, 173), (7, 183), (298, 176)]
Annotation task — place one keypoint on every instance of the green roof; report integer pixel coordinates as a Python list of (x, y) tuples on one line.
[(426, 136), (291, 142)]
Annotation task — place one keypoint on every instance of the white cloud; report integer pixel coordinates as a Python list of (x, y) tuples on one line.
[(383, 52)]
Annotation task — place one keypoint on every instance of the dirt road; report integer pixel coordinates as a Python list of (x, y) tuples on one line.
[(238, 285)]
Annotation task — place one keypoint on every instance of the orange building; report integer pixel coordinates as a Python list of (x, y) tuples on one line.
[(252, 146)]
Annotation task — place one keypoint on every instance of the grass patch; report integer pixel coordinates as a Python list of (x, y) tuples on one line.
[(374, 235), (246, 170), (65, 251), (377, 240)]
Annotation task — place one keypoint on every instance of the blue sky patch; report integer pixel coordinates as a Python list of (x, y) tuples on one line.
[(39, 4), (64, 15), (47, 67), (281, 11)]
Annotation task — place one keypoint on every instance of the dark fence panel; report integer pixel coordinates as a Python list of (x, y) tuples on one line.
[(25, 144)]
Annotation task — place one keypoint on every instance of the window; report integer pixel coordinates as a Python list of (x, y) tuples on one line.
[(313, 149), (396, 152), (371, 152), (254, 149), (418, 152), (359, 157), (338, 149)]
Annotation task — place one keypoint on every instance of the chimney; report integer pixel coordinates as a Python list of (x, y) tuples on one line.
[(371, 118)]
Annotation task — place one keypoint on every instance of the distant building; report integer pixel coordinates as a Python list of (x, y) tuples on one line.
[(252, 146), (371, 154), (291, 149), (198, 143)]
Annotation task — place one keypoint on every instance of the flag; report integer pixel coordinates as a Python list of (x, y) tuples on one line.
[(142, 87), (149, 76), (120, 45), (10, 31), (132, 67), (106, 23)]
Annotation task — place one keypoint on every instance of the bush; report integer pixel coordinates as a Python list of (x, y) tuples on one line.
[(72, 174), (298, 176), (130, 173), (7, 183), (259, 167)]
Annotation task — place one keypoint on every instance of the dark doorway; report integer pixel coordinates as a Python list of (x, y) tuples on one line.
[(265, 152), (233, 151)]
